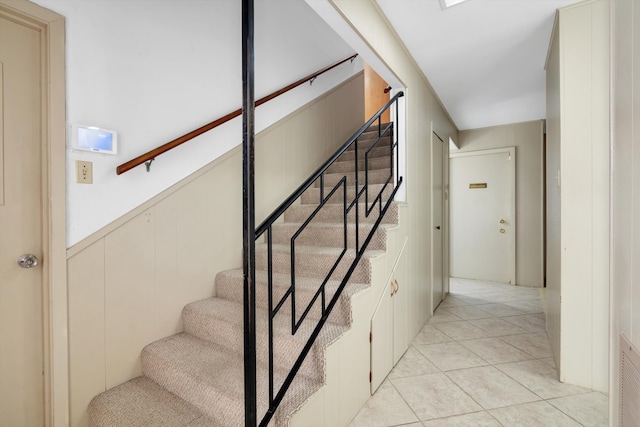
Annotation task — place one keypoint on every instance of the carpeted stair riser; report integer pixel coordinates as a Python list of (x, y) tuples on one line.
[(312, 194), (350, 155), (329, 235), (373, 163), (221, 321), (377, 176), (315, 262), (335, 213), (229, 285), (210, 377)]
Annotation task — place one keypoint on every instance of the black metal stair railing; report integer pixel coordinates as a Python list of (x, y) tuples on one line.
[(350, 209)]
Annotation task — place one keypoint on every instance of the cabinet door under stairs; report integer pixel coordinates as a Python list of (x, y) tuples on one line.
[(389, 339)]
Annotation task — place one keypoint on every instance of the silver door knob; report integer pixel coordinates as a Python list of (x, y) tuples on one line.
[(27, 261)]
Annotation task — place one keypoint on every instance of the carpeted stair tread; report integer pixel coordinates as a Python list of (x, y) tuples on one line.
[(350, 155), (312, 194), (334, 212), (313, 261), (211, 378), (376, 176), (221, 320), (329, 234), (141, 402), (229, 286)]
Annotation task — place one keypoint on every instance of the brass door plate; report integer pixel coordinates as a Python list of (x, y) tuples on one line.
[(478, 185)]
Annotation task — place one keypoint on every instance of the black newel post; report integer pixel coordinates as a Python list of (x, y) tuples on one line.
[(248, 215)]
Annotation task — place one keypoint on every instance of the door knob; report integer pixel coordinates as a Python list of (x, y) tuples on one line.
[(28, 261), (502, 221), (502, 230)]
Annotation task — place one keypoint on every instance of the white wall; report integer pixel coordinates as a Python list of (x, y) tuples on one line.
[(129, 282), (625, 238), (578, 304), (155, 69), (527, 138)]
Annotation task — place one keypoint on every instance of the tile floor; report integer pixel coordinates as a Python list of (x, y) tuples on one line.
[(482, 360)]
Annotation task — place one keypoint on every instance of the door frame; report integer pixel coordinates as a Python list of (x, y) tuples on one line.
[(54, 238), (512, 172), (443, 229)]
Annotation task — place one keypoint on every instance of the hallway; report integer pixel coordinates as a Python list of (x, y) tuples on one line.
[(483, 359)]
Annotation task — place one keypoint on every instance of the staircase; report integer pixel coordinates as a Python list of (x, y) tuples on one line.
[(195, 378)]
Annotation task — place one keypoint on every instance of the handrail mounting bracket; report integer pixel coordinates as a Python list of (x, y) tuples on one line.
[(148, 164)]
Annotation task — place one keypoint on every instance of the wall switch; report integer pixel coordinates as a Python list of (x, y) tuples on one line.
[(84, 172)]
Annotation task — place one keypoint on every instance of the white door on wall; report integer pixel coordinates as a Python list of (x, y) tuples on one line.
[(482, 212), (21, 297)]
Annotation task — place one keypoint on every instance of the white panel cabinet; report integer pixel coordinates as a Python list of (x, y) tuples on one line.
[(578, 201), (389, 337)]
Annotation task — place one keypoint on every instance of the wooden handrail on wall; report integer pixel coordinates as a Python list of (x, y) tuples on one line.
[(150, 155)]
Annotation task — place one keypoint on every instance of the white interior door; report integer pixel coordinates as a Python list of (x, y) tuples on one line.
[(437, 220), (482, 210), (21, 297)]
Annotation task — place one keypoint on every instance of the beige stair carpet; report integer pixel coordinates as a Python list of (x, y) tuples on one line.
[(195, 378)]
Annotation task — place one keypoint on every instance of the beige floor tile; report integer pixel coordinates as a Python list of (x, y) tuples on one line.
[(495, 351), (461, 330), (468, 312), (528, 322), (413, 363), (496, 327), (499, 310), (476, 419), (434, 396), (590, 409), (385, 408), (537, 414), (465, 337), (443, 316), (528, 306), (430, 335), (504, 297), (548, 361), (535, 344), (540, 378), (454, 300), (480, 298), (490, 387), (449, 356)]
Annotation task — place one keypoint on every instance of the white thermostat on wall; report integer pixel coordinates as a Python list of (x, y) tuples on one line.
[(91, 138)]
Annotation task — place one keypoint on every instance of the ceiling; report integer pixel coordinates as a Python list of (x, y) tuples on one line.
[(484, 58)]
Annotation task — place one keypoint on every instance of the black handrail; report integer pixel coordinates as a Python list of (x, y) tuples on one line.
[(301, 189), (267, 226)]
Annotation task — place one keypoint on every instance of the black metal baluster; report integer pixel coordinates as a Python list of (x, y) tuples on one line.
[(248, 217), (270, 304), (293, 285), (356, 200)]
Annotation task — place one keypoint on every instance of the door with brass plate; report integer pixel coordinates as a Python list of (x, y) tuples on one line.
[(27, 261)]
